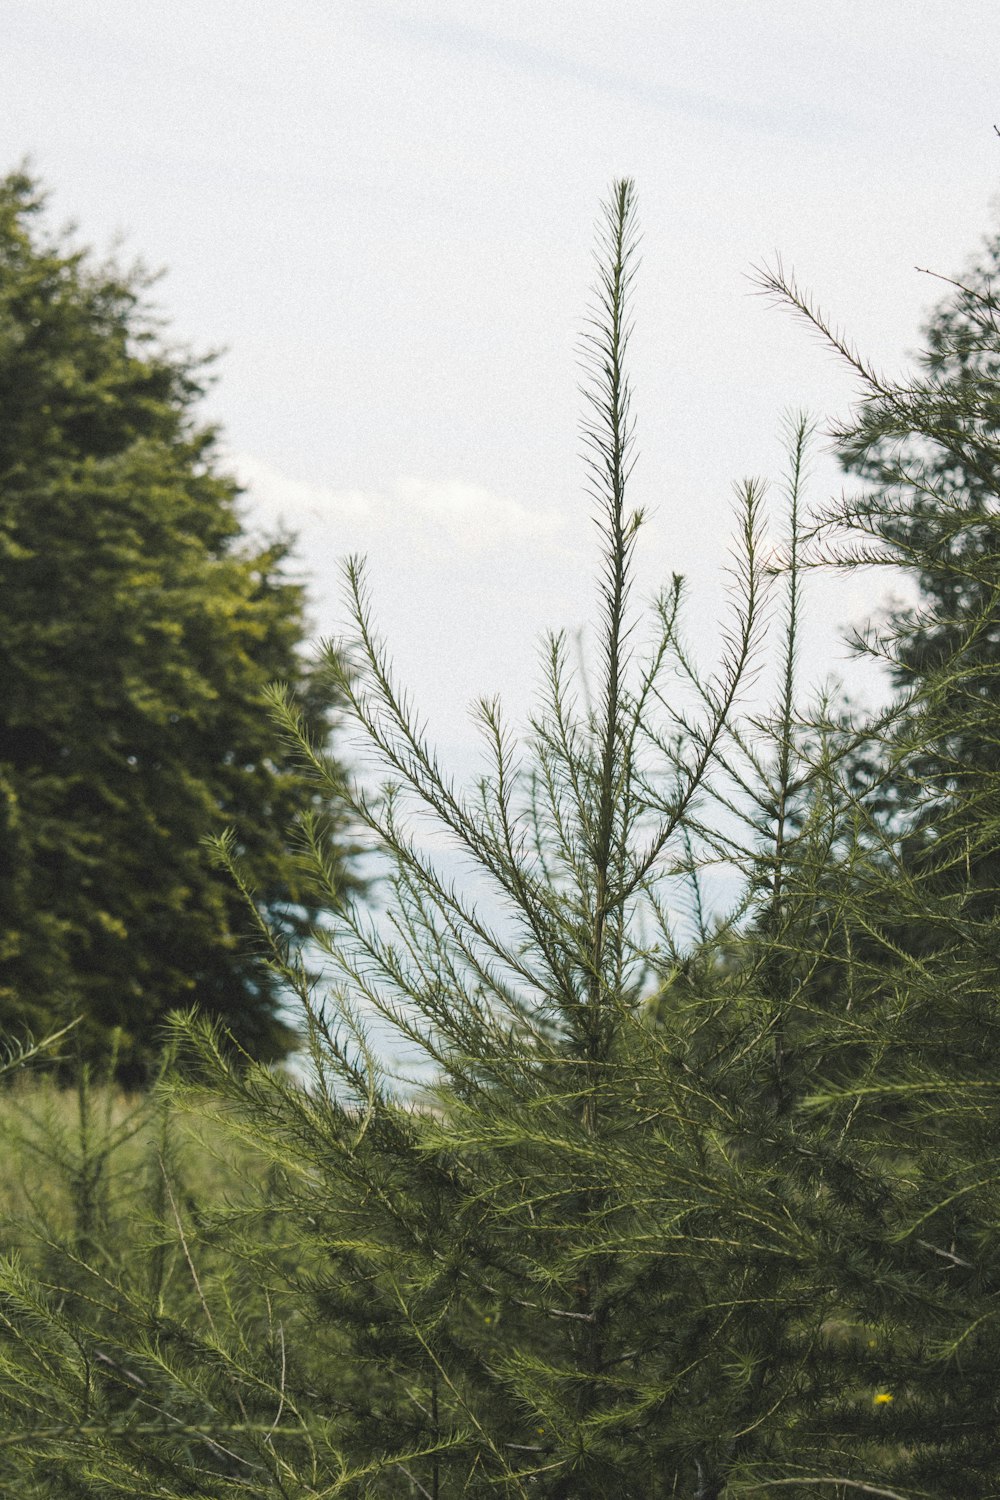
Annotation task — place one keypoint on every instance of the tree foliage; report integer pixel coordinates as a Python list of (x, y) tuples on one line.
[(139, 629), (932, 497), (691, 1206)]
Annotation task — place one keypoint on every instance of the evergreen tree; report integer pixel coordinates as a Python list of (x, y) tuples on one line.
[(903, 955), (524, 1282), (139, 629), (931, 500)]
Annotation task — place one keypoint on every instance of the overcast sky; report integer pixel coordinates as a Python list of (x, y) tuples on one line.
[(384, 212)]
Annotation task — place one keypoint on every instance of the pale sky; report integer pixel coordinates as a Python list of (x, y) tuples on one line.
[(384, 212)]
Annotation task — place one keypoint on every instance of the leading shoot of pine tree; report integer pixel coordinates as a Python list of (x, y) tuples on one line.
[(693, 1201)]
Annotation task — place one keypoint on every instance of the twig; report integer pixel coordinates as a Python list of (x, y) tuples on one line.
[(945, 1254)]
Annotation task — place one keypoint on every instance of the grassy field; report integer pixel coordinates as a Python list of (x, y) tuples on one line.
[(94, 1168)]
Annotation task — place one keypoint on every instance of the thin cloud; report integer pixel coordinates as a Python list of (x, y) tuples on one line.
[(427, 513), (542, 62)]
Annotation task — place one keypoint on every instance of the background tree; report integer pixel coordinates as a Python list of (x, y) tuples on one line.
[(900, 950), (930, 463), (139, 629)]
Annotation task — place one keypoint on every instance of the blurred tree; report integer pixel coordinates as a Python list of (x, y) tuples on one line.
[(140, 628), (931, 466)]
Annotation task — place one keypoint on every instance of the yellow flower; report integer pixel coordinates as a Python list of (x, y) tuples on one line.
[(487, 1319), (873, 1343), (883, 1399)]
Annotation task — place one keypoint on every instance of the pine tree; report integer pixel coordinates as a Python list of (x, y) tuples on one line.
[(140, 628), (935, 493), (910, 973)]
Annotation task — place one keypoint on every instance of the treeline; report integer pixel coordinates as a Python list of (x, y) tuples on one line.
[(698, 1205)]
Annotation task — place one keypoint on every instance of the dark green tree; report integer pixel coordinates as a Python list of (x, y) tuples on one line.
[(138, 631), (897, 928), (930, 464)]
